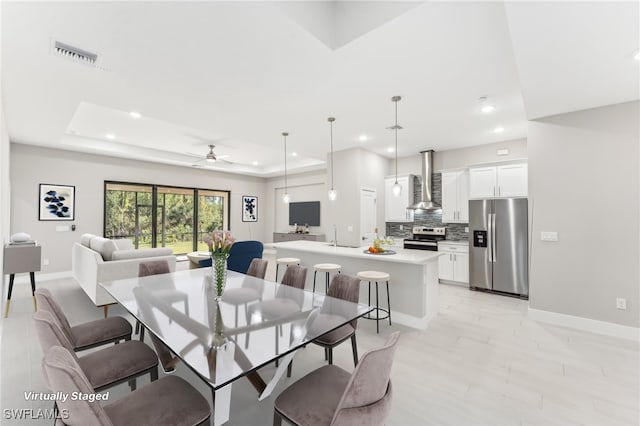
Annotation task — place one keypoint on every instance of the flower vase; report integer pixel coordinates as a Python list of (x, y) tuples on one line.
[(219, 270)]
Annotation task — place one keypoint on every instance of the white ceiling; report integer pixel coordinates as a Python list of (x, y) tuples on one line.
[(238, 74)]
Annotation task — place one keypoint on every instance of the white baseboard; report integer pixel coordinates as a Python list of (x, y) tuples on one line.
[(24, 278), (586, 324)]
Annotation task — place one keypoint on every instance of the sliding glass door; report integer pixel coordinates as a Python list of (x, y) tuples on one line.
[(164, 216)]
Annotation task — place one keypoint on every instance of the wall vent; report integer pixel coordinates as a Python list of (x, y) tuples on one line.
[(73, 53)]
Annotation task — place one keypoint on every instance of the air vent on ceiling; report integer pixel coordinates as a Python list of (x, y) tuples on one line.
[(74, 53)]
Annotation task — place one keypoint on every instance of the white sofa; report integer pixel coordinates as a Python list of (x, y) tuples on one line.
[(95, 259)]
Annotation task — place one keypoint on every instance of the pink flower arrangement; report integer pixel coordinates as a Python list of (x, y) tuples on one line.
[(219, 242)]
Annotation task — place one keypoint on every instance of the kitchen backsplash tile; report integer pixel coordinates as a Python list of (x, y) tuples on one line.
[(430, 218)]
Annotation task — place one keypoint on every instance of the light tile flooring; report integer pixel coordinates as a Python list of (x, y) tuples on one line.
[(480, 362)]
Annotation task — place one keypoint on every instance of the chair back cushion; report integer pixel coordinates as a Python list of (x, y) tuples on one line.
[(205, 263), (295, 276), (46, 302), (370, 382), (153, 267), (49, 332), (241, 254), (345, 287), (258, 268), (63, 374)]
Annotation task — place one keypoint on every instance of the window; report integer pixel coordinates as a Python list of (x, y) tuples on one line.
[(164, 216)]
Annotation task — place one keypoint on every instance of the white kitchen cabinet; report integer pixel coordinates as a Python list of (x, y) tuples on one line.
[(395, 208), (507, 180), (455, 197), (453, 265), (512, 180)]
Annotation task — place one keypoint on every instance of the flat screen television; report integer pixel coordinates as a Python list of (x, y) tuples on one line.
[(307, 212)]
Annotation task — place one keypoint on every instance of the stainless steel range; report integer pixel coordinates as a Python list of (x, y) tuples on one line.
[(425, 238)]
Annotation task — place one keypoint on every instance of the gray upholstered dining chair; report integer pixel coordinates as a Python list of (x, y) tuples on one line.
[(166, 289), (250, 290), (288, 299), (87, 335), (345, 287), (105, 367), (332, 396), (170, 401)]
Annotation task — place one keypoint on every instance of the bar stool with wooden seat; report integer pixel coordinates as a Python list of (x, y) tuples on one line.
[(286, 261), (327, 268), (377, 276)]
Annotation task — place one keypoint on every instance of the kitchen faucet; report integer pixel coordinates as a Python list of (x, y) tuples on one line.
[(335, 236)]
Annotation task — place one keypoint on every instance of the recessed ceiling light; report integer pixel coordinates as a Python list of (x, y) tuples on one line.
[(294, 154), (390, 149), (498, 129), (488, 109), (255, 163), (135, 114), (636, 56), (363, 138), (110, 136)]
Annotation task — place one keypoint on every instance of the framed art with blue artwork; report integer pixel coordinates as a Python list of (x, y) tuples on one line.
[(249, 208), (57, 202)]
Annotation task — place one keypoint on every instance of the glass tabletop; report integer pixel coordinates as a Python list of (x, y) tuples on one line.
[(256, 322)]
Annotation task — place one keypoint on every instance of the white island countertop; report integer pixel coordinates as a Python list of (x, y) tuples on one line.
[(415, 257)]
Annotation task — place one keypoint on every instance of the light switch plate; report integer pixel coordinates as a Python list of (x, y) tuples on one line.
[(548, 236), (62, 228), (503, 151), (350, 228)]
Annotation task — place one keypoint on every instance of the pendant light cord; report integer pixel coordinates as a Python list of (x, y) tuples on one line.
[(331, 120), (396, 131), (285, 162)]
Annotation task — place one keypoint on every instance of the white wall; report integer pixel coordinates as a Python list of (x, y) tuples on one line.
[(584, 183), (463, 157), (308, 186), (355, 169), (31, 165), (5, 193)]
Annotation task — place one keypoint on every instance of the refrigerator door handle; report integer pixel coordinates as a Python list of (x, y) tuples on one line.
[(489, 238), (493, 238)]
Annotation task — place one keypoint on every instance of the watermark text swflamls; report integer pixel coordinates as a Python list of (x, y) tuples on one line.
[(34, 414)]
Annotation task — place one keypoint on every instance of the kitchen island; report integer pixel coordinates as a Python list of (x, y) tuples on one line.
[(414, 276)]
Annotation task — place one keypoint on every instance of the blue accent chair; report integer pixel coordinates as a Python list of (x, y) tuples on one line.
[(205, 263), (242, 253)]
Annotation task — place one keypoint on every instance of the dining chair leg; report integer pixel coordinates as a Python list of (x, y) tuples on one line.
[(326, 354), (314, 280), (142, 333), (153, 374), (132, 384), (137, 326), (330, 355), (388, 303), (277, 419), (354, 349), (326, 283), (277, 272), (289, 368)]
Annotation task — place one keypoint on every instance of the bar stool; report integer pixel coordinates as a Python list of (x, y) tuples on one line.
[(286, 261), (327, 268), (377, 276)]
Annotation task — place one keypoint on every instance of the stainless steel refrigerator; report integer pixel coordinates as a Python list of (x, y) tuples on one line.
[(498, 245)]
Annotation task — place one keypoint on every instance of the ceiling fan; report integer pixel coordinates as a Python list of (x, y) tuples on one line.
[(210, 158)]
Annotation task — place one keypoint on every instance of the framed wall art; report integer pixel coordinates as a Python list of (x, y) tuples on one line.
[(57, 202), (249, 208)]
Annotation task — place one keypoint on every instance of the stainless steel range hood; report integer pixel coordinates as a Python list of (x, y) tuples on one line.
[(426, 203)]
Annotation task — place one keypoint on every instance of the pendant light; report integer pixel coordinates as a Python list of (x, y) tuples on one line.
[(333, 194), (397, 188), (285, 196)]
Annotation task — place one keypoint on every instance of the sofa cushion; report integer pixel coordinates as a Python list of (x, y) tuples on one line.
[(124, 244), (141, 253), (85, 239), (104, 246)]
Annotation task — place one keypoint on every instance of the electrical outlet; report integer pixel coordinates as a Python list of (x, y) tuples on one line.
[(621, 303), (402, 227), (548, 236), (45, 262), (466, 229), (350, 228)]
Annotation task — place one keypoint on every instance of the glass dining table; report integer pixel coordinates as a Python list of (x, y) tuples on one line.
[(256, 322)]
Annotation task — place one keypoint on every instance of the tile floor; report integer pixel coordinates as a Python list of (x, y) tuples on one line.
[(480, 362)]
